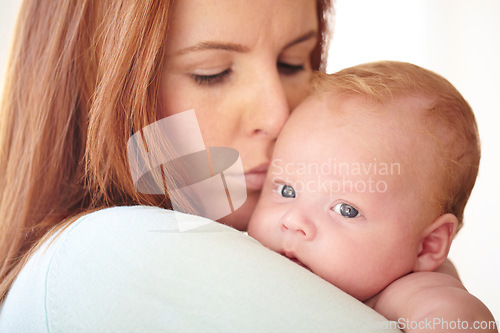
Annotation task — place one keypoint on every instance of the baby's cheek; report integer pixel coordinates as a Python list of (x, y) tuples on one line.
[(257, 227), (253, 226)]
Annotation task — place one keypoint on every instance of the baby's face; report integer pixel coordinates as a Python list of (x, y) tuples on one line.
[(340, 198)]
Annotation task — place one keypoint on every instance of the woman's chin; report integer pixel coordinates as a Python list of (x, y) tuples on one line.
[(240, 218)]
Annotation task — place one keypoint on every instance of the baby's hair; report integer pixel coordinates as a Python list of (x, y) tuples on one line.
[(448, 119)]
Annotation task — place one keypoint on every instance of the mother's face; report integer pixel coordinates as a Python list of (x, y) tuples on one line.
[(242, 66)]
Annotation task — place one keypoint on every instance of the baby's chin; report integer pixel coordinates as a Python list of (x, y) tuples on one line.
[(365, 296), (362, 293)]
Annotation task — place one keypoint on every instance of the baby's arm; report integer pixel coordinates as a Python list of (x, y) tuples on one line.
[(432, 302)]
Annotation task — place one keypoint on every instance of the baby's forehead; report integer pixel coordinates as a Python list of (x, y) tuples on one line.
[(337, 111), (395, 131)]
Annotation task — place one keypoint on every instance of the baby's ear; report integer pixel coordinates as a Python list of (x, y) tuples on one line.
[(436, 243)]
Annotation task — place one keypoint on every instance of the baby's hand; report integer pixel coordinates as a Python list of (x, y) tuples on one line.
[(432, 302)]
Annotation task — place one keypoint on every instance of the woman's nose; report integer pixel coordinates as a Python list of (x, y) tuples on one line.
[(268, 109), (298, 224)]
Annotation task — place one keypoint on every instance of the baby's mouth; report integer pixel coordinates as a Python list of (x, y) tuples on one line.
[(292, 257)]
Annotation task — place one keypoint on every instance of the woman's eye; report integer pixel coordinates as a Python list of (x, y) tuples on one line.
[(346, 210), (288, 69), (211, 79), (286, 191)]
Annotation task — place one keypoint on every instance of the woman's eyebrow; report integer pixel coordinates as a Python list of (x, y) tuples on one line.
[(214, 45), (310, 35)]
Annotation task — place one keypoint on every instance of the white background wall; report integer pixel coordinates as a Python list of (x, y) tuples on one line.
[(459, 39)]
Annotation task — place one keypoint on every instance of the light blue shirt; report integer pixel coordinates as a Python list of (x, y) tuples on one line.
[(145, 269)]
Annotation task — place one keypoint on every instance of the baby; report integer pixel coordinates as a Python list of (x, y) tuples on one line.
[(368, 185)]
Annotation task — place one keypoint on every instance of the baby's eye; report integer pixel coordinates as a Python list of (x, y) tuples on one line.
[(346, 210), (286, 191)]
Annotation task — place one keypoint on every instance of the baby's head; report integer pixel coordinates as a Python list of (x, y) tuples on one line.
[(370, 176)]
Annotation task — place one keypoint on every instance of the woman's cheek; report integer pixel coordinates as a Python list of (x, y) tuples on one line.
[(297, 90)]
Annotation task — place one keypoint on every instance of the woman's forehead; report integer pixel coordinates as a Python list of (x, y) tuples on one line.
[(245, 23)]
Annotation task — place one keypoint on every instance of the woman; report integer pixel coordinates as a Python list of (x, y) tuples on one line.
[(84, 76)]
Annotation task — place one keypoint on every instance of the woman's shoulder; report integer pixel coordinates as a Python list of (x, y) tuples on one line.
[(149, 269), (94, 260), (126, 230), (126, 219)]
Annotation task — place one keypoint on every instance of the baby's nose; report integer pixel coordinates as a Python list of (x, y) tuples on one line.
[(298, 225)]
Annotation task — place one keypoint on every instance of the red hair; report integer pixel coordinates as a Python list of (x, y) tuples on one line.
[(83, 76)]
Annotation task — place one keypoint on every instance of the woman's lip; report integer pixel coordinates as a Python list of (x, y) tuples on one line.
[(255, 180), (258, 169), (256, 177)]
